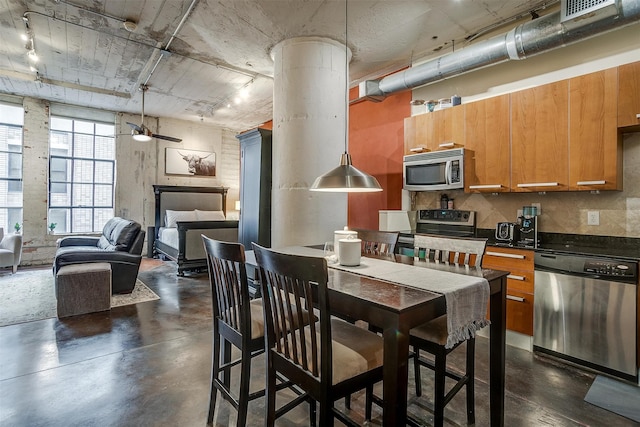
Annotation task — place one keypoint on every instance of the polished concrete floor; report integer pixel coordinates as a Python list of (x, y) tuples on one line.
[(149, 365)]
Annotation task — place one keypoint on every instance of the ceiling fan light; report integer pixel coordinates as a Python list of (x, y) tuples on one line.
[(141, 137)]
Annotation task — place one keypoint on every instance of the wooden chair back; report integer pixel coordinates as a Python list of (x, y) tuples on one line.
[(456, 250), (229, 289), (293, 285), (377, 242)]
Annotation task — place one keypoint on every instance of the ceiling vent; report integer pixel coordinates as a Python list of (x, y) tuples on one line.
[(584, 11)]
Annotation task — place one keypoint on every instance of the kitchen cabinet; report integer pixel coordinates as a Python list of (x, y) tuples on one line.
[(487, 136), (629, 96), (520, 284), (438, 130), (595, 148), (255, 188), (540, 138)]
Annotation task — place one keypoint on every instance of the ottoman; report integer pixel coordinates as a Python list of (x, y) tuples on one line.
[(83, 288)]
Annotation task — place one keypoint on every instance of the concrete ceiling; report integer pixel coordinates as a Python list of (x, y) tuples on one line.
[(197, 55)]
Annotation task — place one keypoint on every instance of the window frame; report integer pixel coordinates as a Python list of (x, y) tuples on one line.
[(71, 182), (14, 186)]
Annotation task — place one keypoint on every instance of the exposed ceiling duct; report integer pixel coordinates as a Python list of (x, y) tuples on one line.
[(531, 38)]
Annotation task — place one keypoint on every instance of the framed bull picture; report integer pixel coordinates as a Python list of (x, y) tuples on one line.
[(179, 161)]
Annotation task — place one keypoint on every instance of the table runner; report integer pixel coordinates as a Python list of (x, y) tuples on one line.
[(466, 296)]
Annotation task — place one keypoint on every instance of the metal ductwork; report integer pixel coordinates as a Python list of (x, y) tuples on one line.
[(531, 38)]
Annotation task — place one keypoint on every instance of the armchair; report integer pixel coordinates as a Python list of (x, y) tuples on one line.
[(120, 245), (10, 250)]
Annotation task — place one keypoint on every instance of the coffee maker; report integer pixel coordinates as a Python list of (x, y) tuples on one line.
[(528, 227)]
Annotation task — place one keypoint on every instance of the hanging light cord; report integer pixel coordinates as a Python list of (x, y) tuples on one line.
[(346, 76)]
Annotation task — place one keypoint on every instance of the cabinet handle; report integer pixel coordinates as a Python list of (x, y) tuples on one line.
[(514, 277), (591, 182), (512, 298), (447, 145), (503, 255), (487, 186), (539, 184)]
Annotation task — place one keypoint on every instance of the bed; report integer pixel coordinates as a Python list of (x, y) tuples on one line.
[(182, 214)]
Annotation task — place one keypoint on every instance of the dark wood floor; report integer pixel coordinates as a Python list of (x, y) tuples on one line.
[(149, 365)]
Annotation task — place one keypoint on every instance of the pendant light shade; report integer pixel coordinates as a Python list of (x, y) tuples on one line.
[(346, 179)]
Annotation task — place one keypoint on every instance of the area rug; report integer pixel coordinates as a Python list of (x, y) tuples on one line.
[(29, 295), (615, 396)]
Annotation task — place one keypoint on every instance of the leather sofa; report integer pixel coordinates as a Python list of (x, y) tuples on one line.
[(120, 245)]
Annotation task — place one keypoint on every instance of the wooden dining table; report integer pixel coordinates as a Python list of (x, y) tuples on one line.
[(397, 308)]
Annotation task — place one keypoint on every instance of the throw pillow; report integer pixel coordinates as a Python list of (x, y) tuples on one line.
[(210, 215), (171, 217)]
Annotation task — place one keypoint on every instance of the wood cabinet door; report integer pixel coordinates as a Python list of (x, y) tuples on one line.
[(487, 136), (629, 96), (595, 148), (439, 130), (540, 138), (446, 129), (416, 131)]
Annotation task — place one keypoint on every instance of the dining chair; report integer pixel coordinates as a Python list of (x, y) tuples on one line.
[(432, 336), (376, 242), (236, 320), (328, 359), (466, 251)]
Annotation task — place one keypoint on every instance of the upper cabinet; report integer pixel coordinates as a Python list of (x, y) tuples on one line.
[(487, 134), (594, 144), (439, 130), (539, 138), (629, 96)]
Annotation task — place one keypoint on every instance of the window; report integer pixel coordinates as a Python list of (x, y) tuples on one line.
[(81, 174), (11, 121)]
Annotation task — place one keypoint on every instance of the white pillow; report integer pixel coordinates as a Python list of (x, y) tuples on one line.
[(210, 215), (171, 217)]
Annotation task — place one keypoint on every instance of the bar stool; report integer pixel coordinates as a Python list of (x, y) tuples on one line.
[(328, 359), (432, 336)]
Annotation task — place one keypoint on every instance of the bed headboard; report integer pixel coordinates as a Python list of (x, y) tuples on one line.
[(184, 198)]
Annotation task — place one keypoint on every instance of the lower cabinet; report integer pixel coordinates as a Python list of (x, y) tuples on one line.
[(520, 284)]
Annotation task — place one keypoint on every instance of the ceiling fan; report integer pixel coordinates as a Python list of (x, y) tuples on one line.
[(143, 133)]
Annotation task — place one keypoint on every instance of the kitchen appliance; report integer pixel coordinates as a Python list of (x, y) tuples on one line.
[(528, 232), (507, 233), (443, 222), (390, 220), (585, 311), (436, 170)]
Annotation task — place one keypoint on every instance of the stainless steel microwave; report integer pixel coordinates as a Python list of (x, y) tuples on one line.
[(436, 170)]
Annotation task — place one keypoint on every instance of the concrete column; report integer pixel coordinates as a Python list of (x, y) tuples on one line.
[(308, 138)]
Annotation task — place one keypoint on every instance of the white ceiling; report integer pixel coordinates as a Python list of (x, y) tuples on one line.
[(88, 58)]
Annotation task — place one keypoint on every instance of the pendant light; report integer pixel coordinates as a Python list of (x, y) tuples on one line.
[(346, 178)]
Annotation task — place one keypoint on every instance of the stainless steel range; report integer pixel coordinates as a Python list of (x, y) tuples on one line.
[(585, 310), (444, 222)]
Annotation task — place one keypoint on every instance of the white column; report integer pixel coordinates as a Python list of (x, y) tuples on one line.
[(308, 138)]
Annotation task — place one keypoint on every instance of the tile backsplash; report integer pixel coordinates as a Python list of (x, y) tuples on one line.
[(562, 212)]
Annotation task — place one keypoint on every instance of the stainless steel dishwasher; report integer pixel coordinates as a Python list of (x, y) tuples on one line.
[(585, 311)]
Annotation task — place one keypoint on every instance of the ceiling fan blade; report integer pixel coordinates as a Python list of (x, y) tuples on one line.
[(134, 126), (167, 138)]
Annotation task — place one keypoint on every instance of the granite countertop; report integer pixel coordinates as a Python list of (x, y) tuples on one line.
[(580, 244)]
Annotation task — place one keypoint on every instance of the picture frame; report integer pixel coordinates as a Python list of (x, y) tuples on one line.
[(179, 161)]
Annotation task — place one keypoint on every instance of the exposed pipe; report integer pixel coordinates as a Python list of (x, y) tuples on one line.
[(165, 52), (525, 40)]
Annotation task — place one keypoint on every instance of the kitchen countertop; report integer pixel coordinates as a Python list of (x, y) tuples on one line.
[(578, 244), (575, 244)]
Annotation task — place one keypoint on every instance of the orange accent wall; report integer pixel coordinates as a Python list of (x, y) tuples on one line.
[(376, 145)]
